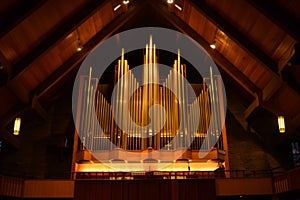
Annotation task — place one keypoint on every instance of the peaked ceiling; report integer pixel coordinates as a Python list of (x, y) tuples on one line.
[(257, 51)]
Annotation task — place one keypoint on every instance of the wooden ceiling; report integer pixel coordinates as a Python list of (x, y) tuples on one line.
[(255, 48)]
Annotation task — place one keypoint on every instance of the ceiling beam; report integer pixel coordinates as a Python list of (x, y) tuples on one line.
[(279, 16), (78, 57), (270, 89), (56, 36), (220, 60), (231, 31), (17, 14)]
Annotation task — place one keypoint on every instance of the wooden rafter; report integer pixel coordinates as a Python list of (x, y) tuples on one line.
[(220, 60), (18, 14), (57, 35), (69, 65), (236, 35), (277, 15)]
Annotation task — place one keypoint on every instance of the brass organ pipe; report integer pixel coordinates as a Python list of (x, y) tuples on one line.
[(214, 113), (167, 113), (145, 94), (211, 116), (186, 104), (183, 110), (106, 123), (90, 120), (140, 119), (175, 105), (84, 110), (168, 110), (134, 115), (217, 108), (121, 100), (130, 111), (149, 99), (98, 117), (193, 131), (103, 120), (184, 128), (118, 104), (89, 109), (171, 111), (125, 103)]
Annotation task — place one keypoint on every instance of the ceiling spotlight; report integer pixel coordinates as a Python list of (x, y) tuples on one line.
[(79, 47), (126, 2), (213, 45), (170, 1)]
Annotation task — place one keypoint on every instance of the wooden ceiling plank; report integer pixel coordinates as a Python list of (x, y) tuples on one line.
[(78, 57), (61, 32), (220, 60), (18, 14), (278, 16), (236, 35)]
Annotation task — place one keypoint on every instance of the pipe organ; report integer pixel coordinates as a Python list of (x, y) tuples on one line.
[(176, 119)]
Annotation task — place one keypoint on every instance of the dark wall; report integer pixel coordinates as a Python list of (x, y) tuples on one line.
[(246, 151), (42, 152)]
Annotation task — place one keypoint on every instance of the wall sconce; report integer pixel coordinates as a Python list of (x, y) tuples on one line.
[(17, 126), (281, 124)]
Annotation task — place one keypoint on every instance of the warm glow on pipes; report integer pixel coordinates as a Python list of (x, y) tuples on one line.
[(117, 7), (178, 7), (17, 126), (281, 124)]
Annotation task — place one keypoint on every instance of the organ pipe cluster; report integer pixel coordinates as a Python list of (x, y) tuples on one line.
[(103, 133)]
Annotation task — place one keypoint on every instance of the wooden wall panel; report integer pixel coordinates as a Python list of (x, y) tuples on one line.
[(145, 189), (10, 186), (250, 186), (48, 189)]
